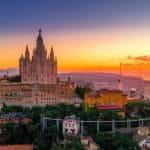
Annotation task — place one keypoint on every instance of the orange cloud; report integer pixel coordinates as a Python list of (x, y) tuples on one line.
[(140, 58)]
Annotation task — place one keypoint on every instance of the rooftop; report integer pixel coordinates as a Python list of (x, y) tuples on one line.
[(13, 115), (17, 147), (109, 107)]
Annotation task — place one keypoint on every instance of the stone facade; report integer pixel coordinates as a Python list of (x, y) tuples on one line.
[(41, 67), (39, 82), (37, 94)]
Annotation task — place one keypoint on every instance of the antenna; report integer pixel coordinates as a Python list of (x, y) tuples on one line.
[(120, 70), (120, 80)]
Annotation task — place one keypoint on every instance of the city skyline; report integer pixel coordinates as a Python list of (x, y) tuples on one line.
[(100, 34)]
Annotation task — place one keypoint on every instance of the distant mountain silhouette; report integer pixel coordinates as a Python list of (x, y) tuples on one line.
[(92, 76), (107, 80), (97, 76), (9, 72)]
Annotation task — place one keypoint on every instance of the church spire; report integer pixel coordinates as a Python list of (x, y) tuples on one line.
[(40, 50), (40, 31), (39, 38), (27, 54), (21, 57), (55, 59), (52, 54), (39, 41)]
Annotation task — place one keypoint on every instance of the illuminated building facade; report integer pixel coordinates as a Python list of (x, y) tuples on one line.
[(105, 100), (39, 82), (41, 67)]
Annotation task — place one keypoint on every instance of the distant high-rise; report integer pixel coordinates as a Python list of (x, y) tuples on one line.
[(41, 67)]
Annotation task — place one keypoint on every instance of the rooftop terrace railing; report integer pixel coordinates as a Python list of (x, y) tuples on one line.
[(100, 125)]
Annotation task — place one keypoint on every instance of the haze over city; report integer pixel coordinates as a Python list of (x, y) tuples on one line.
[(87, 36), (74, 74)]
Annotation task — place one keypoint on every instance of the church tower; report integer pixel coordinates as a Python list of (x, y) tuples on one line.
[(40, 68)]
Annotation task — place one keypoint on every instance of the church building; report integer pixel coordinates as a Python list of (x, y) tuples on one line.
[(39, 84), (41, 67)]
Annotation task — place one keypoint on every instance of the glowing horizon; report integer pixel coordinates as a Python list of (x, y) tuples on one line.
[(93, 52), (86, 36)]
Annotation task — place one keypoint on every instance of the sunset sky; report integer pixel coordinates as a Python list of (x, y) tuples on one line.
[(87, 35)]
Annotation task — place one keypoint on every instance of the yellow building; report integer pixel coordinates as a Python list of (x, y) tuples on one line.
[(105, 100)]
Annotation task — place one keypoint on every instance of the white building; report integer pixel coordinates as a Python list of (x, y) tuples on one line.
[(71, 126)]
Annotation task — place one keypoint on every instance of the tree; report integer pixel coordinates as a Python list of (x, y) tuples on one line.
[(71, 144), (13, 108), (17, 134), (137, 110), (118, 141), (109, 115), (16, 78), (37, 111), (81, 91)]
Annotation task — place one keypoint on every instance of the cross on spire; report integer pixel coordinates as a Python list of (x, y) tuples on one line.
[(40, 31), (39, 38)]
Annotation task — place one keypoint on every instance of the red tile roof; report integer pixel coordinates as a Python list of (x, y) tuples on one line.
[(109, 107), (17, 147)]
